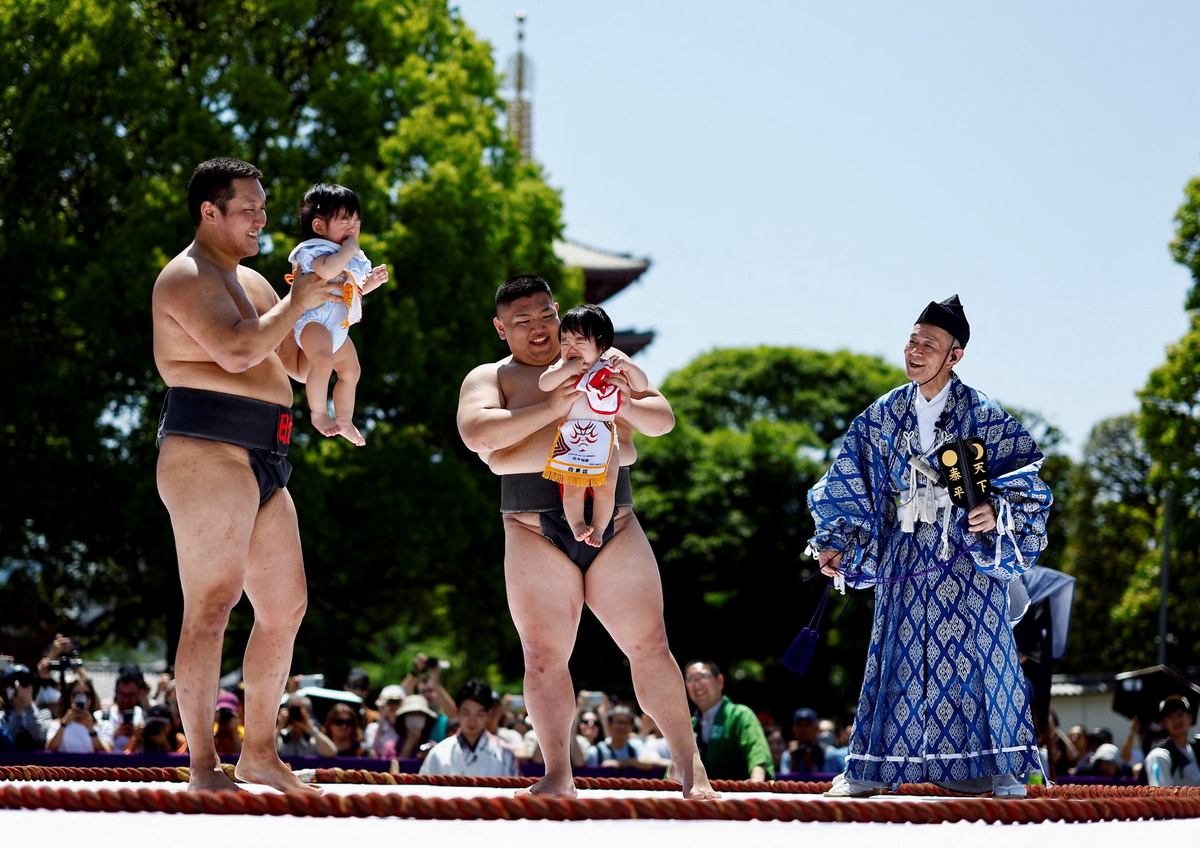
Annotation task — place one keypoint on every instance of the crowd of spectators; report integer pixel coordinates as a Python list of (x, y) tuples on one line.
[(56, 706)]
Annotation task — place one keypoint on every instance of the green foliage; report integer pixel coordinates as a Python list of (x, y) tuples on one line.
[(1170, 426), (106, 109), (1108, 518), (1114, 513), (1185, 247), (734, 388)]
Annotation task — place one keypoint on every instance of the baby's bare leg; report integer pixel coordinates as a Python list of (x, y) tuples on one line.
[(345, 363), (573, 500), (318, 348), (604, 499), (293, 359)]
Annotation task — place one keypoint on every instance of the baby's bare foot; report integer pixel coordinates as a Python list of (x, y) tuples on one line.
[(595, 537), (581, 531), (325, 425), (347, 429)]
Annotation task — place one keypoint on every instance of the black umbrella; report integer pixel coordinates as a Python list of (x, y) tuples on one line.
[(1138, 693)]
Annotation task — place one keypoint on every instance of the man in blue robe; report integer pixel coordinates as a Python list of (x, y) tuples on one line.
[(943, 697)]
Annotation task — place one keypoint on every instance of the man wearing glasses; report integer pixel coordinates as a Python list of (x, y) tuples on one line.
[(730, 737)]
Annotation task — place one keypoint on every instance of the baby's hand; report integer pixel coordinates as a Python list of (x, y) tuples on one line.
[(378, 275), (615, 361)]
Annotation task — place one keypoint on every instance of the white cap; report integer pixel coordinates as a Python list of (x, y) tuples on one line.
[(391, 692)]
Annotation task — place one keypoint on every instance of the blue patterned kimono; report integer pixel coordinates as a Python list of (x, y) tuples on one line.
[(943, 695)]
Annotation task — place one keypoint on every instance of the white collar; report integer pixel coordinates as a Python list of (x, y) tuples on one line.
[(938, 400)]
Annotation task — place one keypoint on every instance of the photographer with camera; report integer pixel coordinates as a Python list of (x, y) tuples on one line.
[(62, 655), (297, 736), (26, 724), (431, 689), (75, 732), (118, 725), (805, 754)]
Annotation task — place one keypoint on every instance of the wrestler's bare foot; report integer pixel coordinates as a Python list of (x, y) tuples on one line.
[(346, 428), (214, 780), (325, 425), (695, 782), (581, 530), (276, 775), (552, 786)]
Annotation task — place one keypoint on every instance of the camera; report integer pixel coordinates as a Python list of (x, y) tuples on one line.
[(127, 715), (66, 661), (80, 700), (224, 714), (295, 713)]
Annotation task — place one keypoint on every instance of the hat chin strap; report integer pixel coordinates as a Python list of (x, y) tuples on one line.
[(945, 359)]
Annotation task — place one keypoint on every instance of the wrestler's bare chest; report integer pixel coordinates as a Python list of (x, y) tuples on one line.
[(519, 385)]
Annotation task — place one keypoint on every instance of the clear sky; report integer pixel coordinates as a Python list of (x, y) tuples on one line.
[(813, 173)]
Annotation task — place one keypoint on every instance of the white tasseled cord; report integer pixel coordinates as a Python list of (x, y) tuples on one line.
[(1005, 524)]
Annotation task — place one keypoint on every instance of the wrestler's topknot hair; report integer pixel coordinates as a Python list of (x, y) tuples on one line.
[(522, 285), (324, 201), (212, 182), (591, 322)]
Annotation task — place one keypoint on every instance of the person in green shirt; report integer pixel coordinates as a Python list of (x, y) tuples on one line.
[(733, 745)]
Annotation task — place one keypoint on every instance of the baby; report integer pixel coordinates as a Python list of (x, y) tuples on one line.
[(586, 456), (330, 218)]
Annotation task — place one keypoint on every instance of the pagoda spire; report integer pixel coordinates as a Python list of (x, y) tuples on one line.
[(520, 110)]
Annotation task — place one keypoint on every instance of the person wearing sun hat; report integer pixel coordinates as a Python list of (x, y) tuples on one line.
[(382, 729), (414, 726), (943, 698)]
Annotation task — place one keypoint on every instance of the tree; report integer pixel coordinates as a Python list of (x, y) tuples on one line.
[(1108, 518), (1170, 427), (106, 109)]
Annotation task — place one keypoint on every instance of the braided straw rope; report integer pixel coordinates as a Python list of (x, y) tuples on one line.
[(1060, 803)]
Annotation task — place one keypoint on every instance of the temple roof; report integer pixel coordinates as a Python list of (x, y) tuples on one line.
[(605, 273), (632, 341)]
